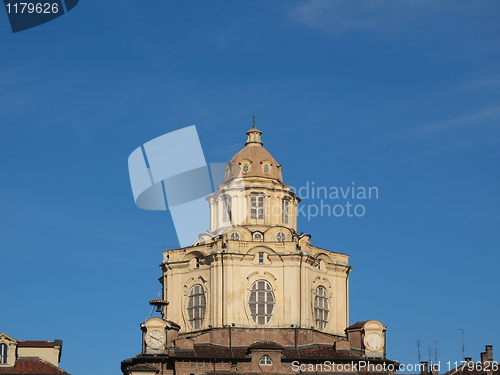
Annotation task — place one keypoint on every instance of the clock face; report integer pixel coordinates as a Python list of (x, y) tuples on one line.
[(155, 339), (374, 342)]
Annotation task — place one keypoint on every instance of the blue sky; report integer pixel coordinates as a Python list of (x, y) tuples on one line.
[(400, 95)]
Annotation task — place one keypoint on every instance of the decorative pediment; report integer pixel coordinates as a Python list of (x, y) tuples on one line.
[(7, 350), (5, 339)]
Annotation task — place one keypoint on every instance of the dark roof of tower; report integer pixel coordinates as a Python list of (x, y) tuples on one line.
[(265, 345)]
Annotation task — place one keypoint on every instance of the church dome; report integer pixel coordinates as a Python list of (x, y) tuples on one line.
[(253, 160)]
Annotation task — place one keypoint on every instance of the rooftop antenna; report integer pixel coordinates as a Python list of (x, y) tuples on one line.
[(429, 352), (419, 356), (436, 351), (463, 342)]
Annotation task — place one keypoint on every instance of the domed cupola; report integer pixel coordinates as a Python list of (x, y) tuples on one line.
[(253, 160), (253, 195)]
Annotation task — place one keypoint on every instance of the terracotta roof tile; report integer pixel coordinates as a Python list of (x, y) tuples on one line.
[(25, 343), (357, 325), (212, 351), (317, 351), (467, 371), (142, 367), (265, 345), (32, 365), (256, 154)]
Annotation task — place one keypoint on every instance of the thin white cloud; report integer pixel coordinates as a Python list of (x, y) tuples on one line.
[(338, 16), (481, 121), (476, 120), (491, 82)]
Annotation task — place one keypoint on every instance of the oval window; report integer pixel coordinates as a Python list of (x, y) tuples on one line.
[(261, 302), (280, 236)]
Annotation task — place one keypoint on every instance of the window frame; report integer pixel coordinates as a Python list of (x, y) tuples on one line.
[(196, 306), (285, 210), (280, 236), (226, 209), (261, 302), (258, 234), (265, 360), (245, 168), (4, 354), (257, 206), (321, 307)]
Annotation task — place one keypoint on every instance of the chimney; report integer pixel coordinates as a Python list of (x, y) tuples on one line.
[(435, 369), (483, 359), (489, 353), (487, 360), (425, 368)]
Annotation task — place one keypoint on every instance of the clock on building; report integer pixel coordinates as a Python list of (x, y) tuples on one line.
[(374, 342), (155, 339), (154, 335)]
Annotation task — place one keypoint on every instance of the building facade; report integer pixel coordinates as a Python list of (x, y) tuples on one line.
[(27, 357), (253, 294)]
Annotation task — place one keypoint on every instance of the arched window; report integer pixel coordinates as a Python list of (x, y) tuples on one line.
[(265, 360), (226, 209), (246, 168), (257, 206), (261, 302), (229, 173), (321, 308), (257, 236), (4, 351), (280, 236), (266, 169), (285, 210), (235, 236), (196, 306)]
